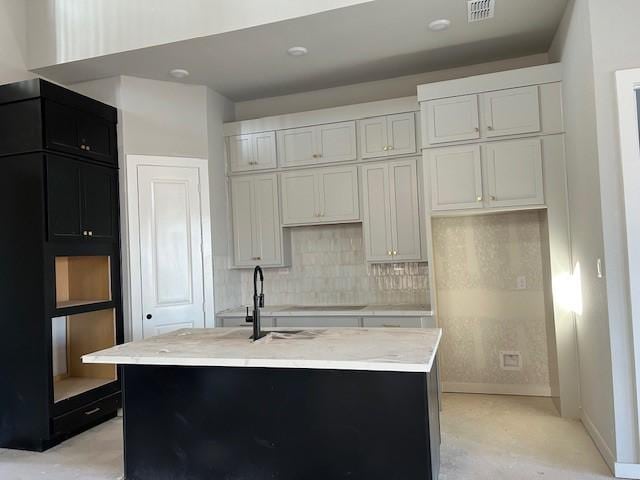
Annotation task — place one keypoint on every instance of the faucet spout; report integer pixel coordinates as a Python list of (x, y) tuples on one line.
[(258, 302)]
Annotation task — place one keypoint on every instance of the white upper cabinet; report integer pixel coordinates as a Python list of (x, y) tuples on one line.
[(254, 151), (322, 195), (335, 142), (512, 112), (257, 234), (391, 220), (510, 174), (456, 177), (452, 119), (388, 135), (514, 173)]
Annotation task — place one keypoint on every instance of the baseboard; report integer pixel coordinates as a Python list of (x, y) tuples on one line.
[(497, 389), (601, 445), (627, 470)]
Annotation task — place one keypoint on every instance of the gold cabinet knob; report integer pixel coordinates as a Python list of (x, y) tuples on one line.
[(389, 147), (389, 253), (90, 233), (385, 148), (85, 233), (478, 199), (394, 253), (87, 147), (492, 197)]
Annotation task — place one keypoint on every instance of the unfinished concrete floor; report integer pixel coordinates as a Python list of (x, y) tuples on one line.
[(484, 437)]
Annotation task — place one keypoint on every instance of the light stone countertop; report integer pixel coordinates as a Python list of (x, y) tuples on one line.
[(332, 311), (372, 349)]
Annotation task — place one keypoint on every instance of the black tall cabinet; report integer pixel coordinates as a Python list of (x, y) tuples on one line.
[(60, 282)]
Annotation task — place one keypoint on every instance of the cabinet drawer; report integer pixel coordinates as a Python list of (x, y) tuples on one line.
[(401, 322), (87, 415)]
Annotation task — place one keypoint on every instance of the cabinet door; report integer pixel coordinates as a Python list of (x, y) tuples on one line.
[(61, 129), (264, 148), (241, 152), (514, 173), (336, 142), (512, 112), (267, 220), (373, 137), (63, 198), (96, 137), (402, 134), (99, 201), (456, 178), (453, 119), (338, 187), (243, 221), (376, 212), (297, 146), (300, 202), (405, 217)]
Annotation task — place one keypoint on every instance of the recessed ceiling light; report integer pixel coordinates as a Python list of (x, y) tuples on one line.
[(439, 25), (179, 73), (297, 51)]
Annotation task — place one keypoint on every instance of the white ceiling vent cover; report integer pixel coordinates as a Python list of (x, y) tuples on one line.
[(481, 10)]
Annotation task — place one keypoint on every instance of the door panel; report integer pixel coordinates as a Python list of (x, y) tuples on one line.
[(63, 198), (377, 214), (98, 201), (61, 127), (269, 246), (264, 145), (453, 119), (405, 217), (170, 248), (512, 112), (337, 142), (456, 178), (240, 152), (402, 134), (297, 146), (300, 203), (96, 137), (243, 221), (338, 194), (373, 137), (514, 173)]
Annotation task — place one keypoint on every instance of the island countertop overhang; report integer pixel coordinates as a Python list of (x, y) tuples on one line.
[(371, 349)]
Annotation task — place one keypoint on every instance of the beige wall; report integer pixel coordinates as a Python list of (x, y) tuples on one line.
[(478, 260), (371, 91), (13, 41), (595, 39)]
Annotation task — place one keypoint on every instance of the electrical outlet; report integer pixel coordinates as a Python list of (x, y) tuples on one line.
[(521, 282), (511, 360)]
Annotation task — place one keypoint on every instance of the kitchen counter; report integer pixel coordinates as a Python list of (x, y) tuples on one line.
[(333, 310), (373, 349), (316, 403)]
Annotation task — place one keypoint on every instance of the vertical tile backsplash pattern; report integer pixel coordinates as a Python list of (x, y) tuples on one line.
[(227, 286), (478, 260), (328, 268)]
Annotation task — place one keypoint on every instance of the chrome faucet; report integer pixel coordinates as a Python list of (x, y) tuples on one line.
[(258, 303)]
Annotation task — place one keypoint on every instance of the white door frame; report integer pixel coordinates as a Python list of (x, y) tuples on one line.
[(131, 240), (628, 81)]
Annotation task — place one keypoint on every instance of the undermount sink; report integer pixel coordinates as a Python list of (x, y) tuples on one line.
[(291, 335), (324, 308)]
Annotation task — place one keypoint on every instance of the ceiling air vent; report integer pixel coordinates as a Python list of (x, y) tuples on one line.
[(481, 10)]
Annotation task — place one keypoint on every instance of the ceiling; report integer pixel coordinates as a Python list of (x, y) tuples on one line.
[(372, 41)]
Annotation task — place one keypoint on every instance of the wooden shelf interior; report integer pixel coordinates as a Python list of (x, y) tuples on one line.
[(81, 280), (74, 336)]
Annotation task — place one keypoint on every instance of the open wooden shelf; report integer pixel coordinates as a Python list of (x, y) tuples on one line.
[(82, 280), (74, 336)]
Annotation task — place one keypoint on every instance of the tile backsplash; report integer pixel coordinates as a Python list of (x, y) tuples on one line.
[(328, 268)]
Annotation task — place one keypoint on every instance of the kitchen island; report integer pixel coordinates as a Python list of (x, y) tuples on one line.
[(337, 403)]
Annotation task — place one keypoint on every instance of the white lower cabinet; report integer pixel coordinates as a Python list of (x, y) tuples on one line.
[(321, 195), (391, 220), (257, 234), (494, 175)]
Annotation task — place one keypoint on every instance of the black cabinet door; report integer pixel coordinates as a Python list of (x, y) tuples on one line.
[(99, 201), (97, 138), (61, 127), (63, 198)]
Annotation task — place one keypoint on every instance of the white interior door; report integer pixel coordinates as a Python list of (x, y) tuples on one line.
[(171, 263)]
